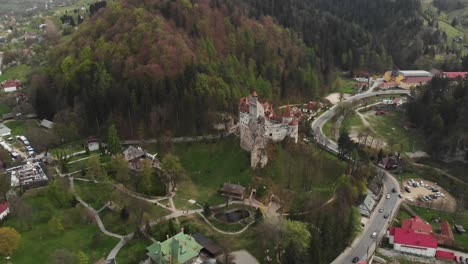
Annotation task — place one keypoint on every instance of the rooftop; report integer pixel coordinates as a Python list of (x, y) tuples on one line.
[(415, 73), (132, 153), (455, 74), (408, 237), (180, 248), (3, 207), (47, 124), (233, 188), (417, 224)]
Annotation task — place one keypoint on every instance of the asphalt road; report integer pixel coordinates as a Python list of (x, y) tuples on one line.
[(364, 245)]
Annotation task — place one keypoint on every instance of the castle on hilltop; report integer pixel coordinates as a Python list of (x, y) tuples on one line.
[(258, 124)]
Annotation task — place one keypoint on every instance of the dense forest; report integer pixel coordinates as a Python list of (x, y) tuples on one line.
[(168, 66), (440, 108), (355, 34)]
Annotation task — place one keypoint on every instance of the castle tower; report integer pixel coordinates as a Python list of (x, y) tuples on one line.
[(253, 105)]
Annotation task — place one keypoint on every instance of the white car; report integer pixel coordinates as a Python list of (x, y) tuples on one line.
[(388, 196), (374, 234)]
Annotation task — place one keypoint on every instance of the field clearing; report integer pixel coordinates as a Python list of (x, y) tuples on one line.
[(38, 244), (208, 166), (20, 72)]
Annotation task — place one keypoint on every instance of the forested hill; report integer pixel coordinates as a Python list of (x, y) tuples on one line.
[(354, 34), (440, 108), (168, 66)]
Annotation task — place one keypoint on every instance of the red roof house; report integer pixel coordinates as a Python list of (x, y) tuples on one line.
[(11, 85), (453, 75), (445, 255), (446, 234), (4, 210), (409, 241), (416, 224)]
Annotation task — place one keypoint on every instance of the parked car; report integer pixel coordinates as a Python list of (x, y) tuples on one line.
[(401, 196), (355, 259), (386, 216), (388, 196), (394, 190), (408, 190), (374, 234), (381, 210)]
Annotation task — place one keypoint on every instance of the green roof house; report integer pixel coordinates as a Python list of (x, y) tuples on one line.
[(179, 249)]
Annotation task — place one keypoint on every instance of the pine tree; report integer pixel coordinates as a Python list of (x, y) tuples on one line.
[(113, 141)]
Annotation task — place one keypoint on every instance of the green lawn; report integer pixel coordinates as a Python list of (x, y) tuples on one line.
[(38, 244), (449, 30), (20, 72), (133, 252), (18, 127), (390, 128), (115, 224), (4, 109), (352, 121), (95, 194), (328, 127), (209, 165), (344, 85), (182, 204)]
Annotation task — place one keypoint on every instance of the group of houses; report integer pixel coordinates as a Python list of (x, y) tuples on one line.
[(407, 79), (373, 194), (417, 237)]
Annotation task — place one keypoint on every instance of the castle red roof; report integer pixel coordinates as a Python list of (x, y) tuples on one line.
[(417, 224), (294, 122), (287, 112), (408, 237), (455, 74), (244, 105)]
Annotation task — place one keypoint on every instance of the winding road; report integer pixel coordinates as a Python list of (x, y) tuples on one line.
[(364, 245)]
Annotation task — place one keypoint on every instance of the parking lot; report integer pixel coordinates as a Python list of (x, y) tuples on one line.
[(427, 194)]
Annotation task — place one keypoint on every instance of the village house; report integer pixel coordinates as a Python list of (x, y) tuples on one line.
[(417, 237), (29, 175), (446, 236), (4, 130), (179, 249), (234, 191), (408, 79), (4, 210), (11, 86), (135, 156), (367, 204), (47, 124), (258, 123), (389, 163), (409, 241)]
